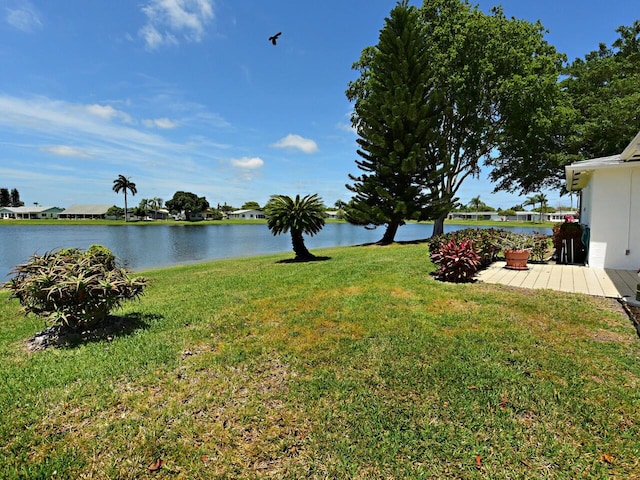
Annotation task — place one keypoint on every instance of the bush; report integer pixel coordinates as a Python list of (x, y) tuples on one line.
[(490, 242), (72, 288), (540, 247), (458, 261), (484, 242)]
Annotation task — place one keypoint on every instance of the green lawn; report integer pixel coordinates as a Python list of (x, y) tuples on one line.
[(360, 366)]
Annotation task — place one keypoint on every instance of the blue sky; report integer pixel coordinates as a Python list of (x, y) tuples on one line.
[(190, 95)]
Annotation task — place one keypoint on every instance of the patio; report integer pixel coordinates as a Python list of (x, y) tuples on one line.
[(565, 278)]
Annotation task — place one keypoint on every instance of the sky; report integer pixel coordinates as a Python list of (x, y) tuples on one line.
[(191, 95)]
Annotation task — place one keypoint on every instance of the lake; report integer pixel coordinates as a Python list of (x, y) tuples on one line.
[(142, 247)]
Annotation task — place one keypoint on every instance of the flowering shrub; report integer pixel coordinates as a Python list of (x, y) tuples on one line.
[(72, 288), (458, 261)]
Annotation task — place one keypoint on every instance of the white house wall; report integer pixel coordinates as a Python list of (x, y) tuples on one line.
[(611, 206)]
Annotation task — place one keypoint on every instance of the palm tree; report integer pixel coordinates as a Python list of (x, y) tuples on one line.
[(542, 200), (476, 202), (156, 205), (299, 215), (146, 205), (531, 201), (122, 184)]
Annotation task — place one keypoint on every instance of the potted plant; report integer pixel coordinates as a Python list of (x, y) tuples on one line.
[(517, 249)]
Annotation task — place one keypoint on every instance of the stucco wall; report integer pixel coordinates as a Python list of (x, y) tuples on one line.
[(613, 211)]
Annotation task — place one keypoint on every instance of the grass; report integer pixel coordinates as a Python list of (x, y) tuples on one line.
[(360, 366)]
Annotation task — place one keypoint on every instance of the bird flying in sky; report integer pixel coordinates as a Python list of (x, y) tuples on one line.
[(274, 39)]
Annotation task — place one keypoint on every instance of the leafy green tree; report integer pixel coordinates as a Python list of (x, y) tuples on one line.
[(5, 197), (596, 116), (498, 77), (123, 184), (251, 206), (298, 216), (115, 212), (15, 198), (395, 114), (492, 86), (214, 214), (226, 208), (187, 202), (605, 91)]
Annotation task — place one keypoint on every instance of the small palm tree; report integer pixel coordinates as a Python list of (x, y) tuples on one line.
[(122, 184), (475, 202), (157, 205), (299, 216), (542, 200), (532, 200)]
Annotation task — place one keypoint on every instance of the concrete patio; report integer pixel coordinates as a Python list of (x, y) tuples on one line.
[(565, 278)]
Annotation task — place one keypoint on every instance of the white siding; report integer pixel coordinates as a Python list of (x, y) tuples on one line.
[(611, 206)]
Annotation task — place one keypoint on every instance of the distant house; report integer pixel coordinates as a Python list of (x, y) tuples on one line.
[(247, 214), (474, 216), (560, 216), (161, 214), (29, 213), (85, 212), (609, 207)]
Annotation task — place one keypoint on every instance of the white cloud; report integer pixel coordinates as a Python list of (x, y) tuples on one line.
[(25, 18), (107, 112), (296, 142), (65, 151), (89, 125), (169, 21), (247, 162), (162, 123)]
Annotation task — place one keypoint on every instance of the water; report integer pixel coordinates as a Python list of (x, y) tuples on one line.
[(141, 247)]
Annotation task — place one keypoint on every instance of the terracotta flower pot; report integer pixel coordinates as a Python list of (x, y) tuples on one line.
[(517, 259)]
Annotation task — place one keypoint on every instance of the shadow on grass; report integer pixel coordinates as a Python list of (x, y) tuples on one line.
[(304, 260), (396, 242), (115, 326)]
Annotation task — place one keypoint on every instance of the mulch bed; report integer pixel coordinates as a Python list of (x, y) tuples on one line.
[(634, 315)]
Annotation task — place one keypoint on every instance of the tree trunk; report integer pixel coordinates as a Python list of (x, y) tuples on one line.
[(390, 233), (438, 226), (126, 215), (299, 248)]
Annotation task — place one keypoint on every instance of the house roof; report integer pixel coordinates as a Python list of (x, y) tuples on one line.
[(238, 212), (632, 152), (577, 174), (87, 209), (33, 209)]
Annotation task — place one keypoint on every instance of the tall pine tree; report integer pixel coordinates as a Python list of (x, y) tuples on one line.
[(5, 198), (394, 114), (15, 198)]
